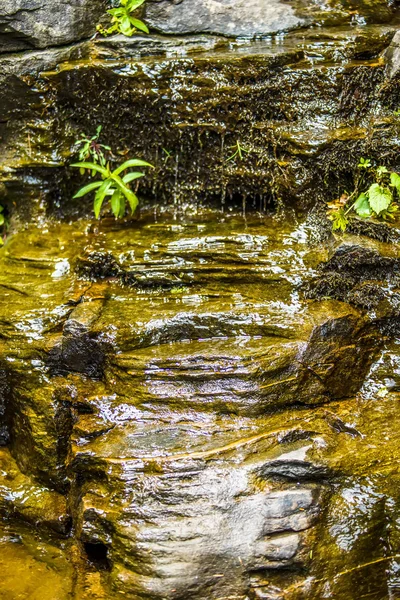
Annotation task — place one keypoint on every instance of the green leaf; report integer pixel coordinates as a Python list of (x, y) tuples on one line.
[(116, 12), (134, 4), (339, 220), (362, 206), (91, 167), (116, 203), (125, 26), (133, 162), (1, 209), (131, 176), (129, 195), (391, 213), (395, 181), (364, 163), (122, 207), (100, 195), (88, 188), (380, 197), (382, 170), (133, 202), (2, 219), (139, 25)]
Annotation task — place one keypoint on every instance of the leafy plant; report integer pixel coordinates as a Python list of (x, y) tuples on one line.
[(378, 199), (167, 153), (122, 20), (91, 148), (113, 185), (239, 151)]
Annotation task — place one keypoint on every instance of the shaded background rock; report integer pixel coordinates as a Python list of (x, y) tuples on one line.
[(27, 24), (238, 18), (393, 56)]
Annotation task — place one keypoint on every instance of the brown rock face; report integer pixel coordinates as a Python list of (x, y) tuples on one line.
[(175, 410)]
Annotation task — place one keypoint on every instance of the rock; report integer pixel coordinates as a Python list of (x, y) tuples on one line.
[(392, 56), (231, 18), (4, 396), (196, 100), (365, 273), (27, 24), (189, 530), (195, 432), (22, 498), (250, 18), (34, 564), (77, 351)]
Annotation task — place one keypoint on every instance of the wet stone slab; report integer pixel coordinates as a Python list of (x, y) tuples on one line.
[(181, 420)]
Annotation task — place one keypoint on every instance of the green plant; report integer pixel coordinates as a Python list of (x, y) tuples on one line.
[(122, 20), (239, 151), (91, 148), (168, 154), (375, 195), (112, 184)]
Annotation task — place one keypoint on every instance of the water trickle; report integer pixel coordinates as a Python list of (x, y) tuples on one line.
[(195, 404)]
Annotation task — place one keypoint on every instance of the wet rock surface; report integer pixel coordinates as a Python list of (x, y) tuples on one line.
[(365, 273), (305, 106), (199, 404), (186, 424)]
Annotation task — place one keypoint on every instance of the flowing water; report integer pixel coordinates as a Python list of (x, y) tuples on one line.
[(202, 403), (180, 421)]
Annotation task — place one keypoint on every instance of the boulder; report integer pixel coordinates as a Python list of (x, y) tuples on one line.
[(250, 18), (28, 24), (226, 17), (365, 273), (392, 56)]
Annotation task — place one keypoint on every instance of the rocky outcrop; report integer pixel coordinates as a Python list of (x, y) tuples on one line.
[(239, 18), (23, 499), (28, 24), (177, 403), (176, 419), (186, 115), (252, 18), (365, 273)]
